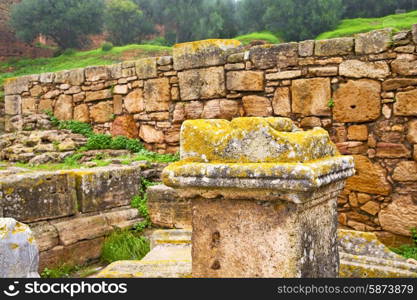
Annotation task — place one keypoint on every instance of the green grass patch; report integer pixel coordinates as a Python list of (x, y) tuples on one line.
[(408, 251), (63, 271), (259, 36), (124, 245), (350, 27)]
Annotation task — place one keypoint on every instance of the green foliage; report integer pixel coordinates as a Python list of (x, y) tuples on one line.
[(124, 245), (73, 159), (121, 142), (99, 142), (155, 157), (158, 41), (63, 271), (375, 8), (330, 103), (106, 46), (67, 22), (408, 251), (76, 127), (266, 36), (350, 27), (125, 22), (140, 202)]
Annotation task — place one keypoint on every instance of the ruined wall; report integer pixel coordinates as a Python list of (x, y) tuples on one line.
[(363, 90)]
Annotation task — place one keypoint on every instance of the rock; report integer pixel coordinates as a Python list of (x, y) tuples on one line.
[(412, 132), (400, 215), (310, 97), (118, 104), (193, 110), (167, 208), (36, 91), (306, 48), (370, 178), (13, 105), (404, 67), (376, 41), (67, 145), (202, 84), (120, 89), (124, 218), (256, 106), (397, 83), (391, 150), (406, 104), (179, 113), (16, 86), (202, 53), (134, 102), (45, 234), (371, 208), (245, 81), (19, 252), (45, 105), (125, 126), (211, 110), (98, 95), (47, 77), (63, 108), (73, 77), (360, 69), (81, 113), (284, 75), (146, 68), (150, 135), (281, 103), (172, 135), (29, 106), (358, 133), (96, 73), (414, 33), (323, 71), (157, 94), (357, 101), (229, 109), (333, 47), (102, 112), (405, 171)]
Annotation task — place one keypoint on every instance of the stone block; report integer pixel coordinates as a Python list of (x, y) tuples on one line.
[(202, 53), (306, 48), (361, 69), (333, 47), (146, 68), (412, 132), (284, 75), (81, 113), (107, 187), (406, 104), (16, 86), (134, 102), (404, 67), (151, 135), (281, 103), (270, 56), (13, 105), (405, 171), (397, 83), (358, 133), (202, 84), (257, 106), (102, 112), (96, 73), (245, 81), (357, 101), (125, 126), (400, 215), (30, 197), (414, 33), (310, 97), (18, 250), (46, 235), (98, 95), (392, 150), (167, 209), (124, 218), (373, 42), (72, 77), (64, 108), (157, 94)]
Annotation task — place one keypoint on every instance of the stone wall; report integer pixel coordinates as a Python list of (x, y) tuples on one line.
[(71, 211), (362, 89)]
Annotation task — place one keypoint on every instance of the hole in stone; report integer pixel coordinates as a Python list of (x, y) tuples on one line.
[(216, 265), (353, 106), (215, 239)]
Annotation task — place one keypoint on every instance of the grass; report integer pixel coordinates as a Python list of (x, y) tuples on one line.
[(350, 27), (69, 271), (259, 36), (408, 251), (124, 245)]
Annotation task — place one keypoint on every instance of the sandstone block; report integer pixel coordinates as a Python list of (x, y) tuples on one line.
[(16, 86), (284, 75), (125, 126), (310, 122), (257, 106), (63, 108), (150, 135), (202, 84), (405, 171), (211, 110), (45, 105), (157, 94), (360, 69), (306, 48), (81, 113), (399, 216), (333, 47), (396, 83), (167, 208), (414, 33), (146, 68), (36, 91), (281, 102), (404, 67), (270, 56), (120, 89), (202, 53), (391, 150), (357, 101), (73, 77), (324, 71), (358, 133), (193, 110), (311, 96), (47, 77), (97, 73), (102, 112), (245, 81), (370, 177), (406, 104), (134, 102), (46, 235), (37, 196), (29, 106), (123, 219), (98, 95), (371, 208), (412, 132), (229, 109), (376, 41), (12, 105)]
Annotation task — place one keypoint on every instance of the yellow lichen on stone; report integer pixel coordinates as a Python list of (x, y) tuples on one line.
[(192, 47)]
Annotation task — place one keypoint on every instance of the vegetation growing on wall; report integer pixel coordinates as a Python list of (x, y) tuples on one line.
[(408, 251)]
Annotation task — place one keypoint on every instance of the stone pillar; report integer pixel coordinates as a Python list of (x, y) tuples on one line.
[(264, 196)]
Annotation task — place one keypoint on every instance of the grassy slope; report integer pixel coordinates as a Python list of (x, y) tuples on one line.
[(350, 27), (256, 36)]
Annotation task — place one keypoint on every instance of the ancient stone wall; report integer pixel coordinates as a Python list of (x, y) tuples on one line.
[(362, 89)]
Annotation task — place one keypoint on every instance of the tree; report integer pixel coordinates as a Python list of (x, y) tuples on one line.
[(250, 14), (67, 22), (302, 19), (126, 23), (375, 8)]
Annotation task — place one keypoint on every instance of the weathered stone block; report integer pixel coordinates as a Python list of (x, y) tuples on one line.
[(134, 102), (37, 196), (245, 81), (157, 94), (146, 68), (257, 106), (98, 95), (396, 83), (404, 67), (13, 105), (400, 215), (96, 73), (202, 84), (414, 33), (311, 96), (376, 41), (125, 126), (281, 102), (19, 255), (108, 187), (81, 113), (151, 135), (406, 104), (29, 106), (358, 133), (63, 108), (202, 53), (360, 69), (124, 218), (357, 101), (306, 48), (270, 56), (167, 209), (46, 235), (333, 47), (392, 150), (405, 171), (102, 112), (412, 132), (16, 86), (73, 77)]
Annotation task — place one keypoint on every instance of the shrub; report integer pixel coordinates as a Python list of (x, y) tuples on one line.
[(107, 46), (124, 245), (99, 142), (77, 127)]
